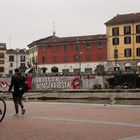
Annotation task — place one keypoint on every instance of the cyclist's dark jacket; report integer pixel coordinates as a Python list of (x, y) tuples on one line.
[(17, 81)]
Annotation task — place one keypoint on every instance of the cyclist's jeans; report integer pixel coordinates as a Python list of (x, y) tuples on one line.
[(17, 98)]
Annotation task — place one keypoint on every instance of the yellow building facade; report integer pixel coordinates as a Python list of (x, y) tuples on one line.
[(123, 41)]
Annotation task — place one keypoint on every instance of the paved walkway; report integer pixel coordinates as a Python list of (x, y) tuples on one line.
[(71, 121)]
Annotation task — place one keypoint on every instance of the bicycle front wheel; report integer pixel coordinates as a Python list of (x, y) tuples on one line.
[(2, 109)]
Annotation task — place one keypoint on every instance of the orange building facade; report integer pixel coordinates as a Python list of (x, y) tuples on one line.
[(69, 54)]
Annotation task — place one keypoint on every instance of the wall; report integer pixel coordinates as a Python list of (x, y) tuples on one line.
[(56, 83)]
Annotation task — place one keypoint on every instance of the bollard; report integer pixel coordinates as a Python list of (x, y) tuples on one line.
[(112, 100)]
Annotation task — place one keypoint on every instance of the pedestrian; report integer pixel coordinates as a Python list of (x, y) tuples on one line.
[(17, 81)]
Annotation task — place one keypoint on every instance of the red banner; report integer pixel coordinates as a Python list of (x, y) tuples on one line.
[(29, 82)]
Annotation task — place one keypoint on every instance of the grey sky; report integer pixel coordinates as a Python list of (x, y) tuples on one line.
[(24, 21)]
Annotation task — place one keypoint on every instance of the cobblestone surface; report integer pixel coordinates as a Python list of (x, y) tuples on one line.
[(71, 121)]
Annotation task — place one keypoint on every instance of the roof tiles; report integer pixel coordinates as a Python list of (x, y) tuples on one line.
[(124, 19)]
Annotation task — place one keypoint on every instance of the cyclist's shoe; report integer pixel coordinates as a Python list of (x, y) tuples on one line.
[(16, 114), (23, 111)]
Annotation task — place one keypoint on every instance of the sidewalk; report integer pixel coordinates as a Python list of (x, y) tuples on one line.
[(71, 121)]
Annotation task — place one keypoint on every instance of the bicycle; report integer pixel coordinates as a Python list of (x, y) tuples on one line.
[(2, 109)]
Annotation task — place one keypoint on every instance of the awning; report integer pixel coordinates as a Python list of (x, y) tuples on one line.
[(128, 65), (116, 65), (44, 68)]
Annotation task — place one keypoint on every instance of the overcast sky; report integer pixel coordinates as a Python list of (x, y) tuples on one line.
[(24, 21)]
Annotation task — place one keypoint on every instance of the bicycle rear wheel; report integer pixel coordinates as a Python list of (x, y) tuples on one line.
[(2, 109)]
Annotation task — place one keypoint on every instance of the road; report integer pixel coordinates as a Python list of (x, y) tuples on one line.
[(71, 121)]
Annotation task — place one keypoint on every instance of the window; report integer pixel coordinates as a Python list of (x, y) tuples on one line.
[(115, 31), (1, 55), (115, 41), (22, 58), (115, 53), (127, 52), (65, 58), (77, 57), (76, 71), (1, 69), (11, 64), (11, 58), (10, 72), (138, 51), (65, 71), (33, 60), (138, 38), (127, 30), (88, 46), (99, 45), (77, 46), (88, 70), (1, 61), (137, 29), (22, 65), (127, 40), (33, 50), (65, 47)]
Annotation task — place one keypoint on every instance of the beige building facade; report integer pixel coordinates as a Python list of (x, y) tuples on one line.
[(2, 58)]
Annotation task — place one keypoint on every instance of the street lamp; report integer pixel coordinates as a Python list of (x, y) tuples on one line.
[(80, 56), (116, 70), (17, 58), (116, 59), (34, 64)]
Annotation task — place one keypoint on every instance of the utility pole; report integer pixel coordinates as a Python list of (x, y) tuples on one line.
[(134, 62)]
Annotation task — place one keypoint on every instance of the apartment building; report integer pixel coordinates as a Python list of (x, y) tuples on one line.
[(69, 54), (16, 58), (123, 42), (2, 58)]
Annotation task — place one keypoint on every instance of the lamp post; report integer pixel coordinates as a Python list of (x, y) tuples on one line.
[(80, 60), (116, 63), (17, 58), (116, 58), (34, 63), (134, 61)]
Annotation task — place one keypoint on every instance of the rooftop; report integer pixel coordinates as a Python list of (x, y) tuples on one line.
[(2, 46), (124, 19), (17, 51), (55, 39)]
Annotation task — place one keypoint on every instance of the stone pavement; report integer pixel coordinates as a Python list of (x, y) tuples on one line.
[(71, 121)]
